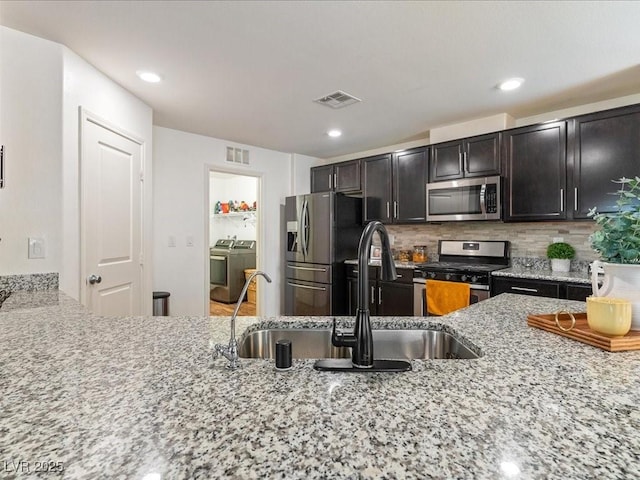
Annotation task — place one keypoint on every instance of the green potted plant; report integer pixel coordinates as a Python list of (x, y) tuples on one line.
[(560, 254), (618, 244)]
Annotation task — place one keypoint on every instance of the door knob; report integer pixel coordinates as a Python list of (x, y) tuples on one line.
[(93, 279)]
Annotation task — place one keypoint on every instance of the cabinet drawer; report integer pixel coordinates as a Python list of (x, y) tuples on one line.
[(405, 275), (525, 287), (579, 292)]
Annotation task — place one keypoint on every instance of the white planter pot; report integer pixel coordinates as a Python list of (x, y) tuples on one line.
[(620, 281), (560, 264)]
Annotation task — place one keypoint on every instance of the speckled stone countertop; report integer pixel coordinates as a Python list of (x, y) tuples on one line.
[(141, 398), (377, 263), (523, 272)]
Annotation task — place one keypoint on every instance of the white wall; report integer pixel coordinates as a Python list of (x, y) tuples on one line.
[(30, 130), (180, 184), (301, 173), (86, 87)]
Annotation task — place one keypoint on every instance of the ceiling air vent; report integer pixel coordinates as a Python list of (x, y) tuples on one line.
[(337, 99), (237, 155)]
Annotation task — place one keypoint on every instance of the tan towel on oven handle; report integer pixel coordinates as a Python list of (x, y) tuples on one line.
[(445, 297)]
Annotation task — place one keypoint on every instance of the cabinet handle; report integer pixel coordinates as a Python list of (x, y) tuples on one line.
[(379, 295), (575, 199), (562, 199), (330, 181), (388, 215), (373, 295), (335, 180), (524, 289), (395, 209), (465, 161), (2, 166)]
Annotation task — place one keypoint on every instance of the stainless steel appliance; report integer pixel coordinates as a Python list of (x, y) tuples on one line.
[(322, 231), (461, 261), (464, 199), (227, 261)]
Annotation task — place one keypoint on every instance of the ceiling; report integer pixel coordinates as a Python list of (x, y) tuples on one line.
[(248, 72)]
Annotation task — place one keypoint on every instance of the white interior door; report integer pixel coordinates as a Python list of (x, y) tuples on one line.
[(111, 230)]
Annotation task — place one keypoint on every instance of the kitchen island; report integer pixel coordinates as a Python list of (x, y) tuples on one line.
[(141, 398)]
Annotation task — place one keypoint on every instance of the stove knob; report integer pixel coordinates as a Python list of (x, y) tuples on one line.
[(432, 274), (463, 278), (448, 276), (474, 278)]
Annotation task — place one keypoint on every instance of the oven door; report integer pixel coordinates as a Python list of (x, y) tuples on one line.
[(477, 294), (467, 199)]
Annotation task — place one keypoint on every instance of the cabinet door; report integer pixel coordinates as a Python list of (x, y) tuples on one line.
[(605, 146), (524, 286), (410, 186), (535, 184), (347, 176), (482, 155), (377, 188), (446, 161), (322, 179), (395, 299), (579, 292)]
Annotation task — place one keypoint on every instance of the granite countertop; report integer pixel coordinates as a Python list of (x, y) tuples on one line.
[(377, 263), (536, 274), (140, 397)]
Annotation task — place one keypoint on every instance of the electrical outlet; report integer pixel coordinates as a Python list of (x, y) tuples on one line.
[(172, 241), (36, 248), (189, 240), (392, 239), (558, 239)]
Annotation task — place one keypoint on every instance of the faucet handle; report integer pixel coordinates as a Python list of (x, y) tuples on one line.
[(339, 339)]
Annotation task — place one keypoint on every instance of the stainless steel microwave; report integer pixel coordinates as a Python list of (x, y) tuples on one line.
[(464, 199)]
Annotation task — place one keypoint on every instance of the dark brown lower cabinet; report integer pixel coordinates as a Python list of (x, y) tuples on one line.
[(540, 288), (385, 298)]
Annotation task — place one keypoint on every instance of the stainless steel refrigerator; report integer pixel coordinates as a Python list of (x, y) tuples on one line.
[(322, 231)]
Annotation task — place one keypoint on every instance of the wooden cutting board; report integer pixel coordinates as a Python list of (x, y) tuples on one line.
[(582, 333)]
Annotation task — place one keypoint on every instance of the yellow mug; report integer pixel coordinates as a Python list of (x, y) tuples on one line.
[(611, 316)]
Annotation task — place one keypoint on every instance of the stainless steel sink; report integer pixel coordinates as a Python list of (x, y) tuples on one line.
[(387, 344)]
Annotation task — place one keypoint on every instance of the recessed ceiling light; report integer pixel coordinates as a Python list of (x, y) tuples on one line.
[(334, 133), (147, 76), (510, 84)]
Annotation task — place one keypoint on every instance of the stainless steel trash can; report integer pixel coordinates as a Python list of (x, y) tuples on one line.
[(161, 303)]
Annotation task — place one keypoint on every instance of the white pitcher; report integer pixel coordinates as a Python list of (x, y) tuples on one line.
[(620, 281)]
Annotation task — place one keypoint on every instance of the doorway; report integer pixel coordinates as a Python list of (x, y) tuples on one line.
[(233, 230)]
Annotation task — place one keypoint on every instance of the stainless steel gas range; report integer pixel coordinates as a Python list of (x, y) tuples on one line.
[(464, 261)]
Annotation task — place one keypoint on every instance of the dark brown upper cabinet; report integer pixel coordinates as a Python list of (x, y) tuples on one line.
[(603, 146), (394, 186), (338, 177), (535, 164), (477, 156)]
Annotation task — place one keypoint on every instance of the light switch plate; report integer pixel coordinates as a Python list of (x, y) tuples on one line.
[(36, 248), (558, 239), (172, 241), (189, 240)]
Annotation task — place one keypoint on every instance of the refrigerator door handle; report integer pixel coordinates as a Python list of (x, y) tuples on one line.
[(323, 270), (309, 287), (304, 227)]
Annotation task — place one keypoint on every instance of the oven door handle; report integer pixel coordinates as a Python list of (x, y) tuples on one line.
[(218, 258)]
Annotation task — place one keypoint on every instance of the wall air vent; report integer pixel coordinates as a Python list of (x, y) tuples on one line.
[(337, 99), (237, 155)]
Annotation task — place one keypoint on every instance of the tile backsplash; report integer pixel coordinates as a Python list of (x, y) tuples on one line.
[(527, 239)]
